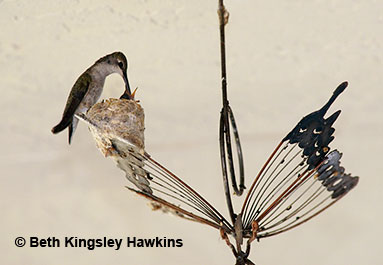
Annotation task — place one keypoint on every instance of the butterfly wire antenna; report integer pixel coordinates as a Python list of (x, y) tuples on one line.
[(226, 123)]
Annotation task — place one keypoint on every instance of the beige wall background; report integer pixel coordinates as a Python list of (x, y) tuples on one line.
[(284, 60)]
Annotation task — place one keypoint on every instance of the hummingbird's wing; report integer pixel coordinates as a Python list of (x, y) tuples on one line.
[(300, 179), (77, 94)]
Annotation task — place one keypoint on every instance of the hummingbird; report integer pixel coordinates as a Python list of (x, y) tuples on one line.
[(88, 88)]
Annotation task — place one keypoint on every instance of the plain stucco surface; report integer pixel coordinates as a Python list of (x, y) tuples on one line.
[(284, 60)]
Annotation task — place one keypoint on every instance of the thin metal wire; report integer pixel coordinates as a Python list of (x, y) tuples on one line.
[(176, 188), (256, 183), (273, 192), (267, 184), (195, 197), (291, 225)]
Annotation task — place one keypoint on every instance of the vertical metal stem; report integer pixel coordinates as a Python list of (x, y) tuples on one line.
[(221, 13), (226, 151), (224, 121)]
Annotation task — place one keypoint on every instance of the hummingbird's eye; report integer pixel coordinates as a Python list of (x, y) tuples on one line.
[(121, 65)]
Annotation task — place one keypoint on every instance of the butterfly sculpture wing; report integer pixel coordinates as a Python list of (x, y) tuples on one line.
[(301, 178), (172, 193), (153, 181)]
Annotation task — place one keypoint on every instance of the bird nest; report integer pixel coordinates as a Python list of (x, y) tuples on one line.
[(117, 126)]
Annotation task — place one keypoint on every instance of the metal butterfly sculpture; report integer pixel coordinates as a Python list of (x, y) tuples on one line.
[(299, 180)]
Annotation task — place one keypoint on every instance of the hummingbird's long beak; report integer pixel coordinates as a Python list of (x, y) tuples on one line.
[(127, 93)]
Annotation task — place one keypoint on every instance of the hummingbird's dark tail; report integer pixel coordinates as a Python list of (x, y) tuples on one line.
[(61, 126), (70, 124)]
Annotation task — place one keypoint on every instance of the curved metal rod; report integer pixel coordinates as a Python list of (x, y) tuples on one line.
[(222, 131), (239, 153), (229, 151), (226, 151)]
